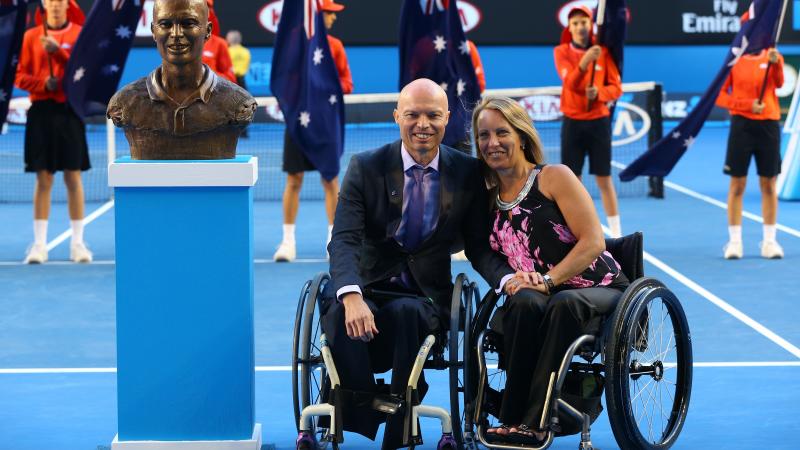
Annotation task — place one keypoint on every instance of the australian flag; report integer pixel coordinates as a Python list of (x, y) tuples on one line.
[(305, 82), (433, 45), (98, 58), (756, 34), (613, 30), (12, 29)]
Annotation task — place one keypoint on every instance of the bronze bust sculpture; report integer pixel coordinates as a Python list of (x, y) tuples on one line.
[(181, 110)]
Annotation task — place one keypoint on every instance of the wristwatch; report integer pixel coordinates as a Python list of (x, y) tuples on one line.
[(548, 281)]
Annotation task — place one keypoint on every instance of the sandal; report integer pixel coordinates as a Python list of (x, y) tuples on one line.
[(502, 430), (525, 435)]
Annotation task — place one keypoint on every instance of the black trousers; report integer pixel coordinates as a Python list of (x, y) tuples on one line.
[(403, 324), (537, 330)]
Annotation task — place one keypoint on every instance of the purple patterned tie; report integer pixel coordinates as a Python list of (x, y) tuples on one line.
[(415, 210)]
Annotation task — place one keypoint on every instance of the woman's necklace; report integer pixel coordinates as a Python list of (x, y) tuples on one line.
[(505, 206)]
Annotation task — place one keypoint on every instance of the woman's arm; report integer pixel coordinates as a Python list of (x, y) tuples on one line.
[(557, 182)]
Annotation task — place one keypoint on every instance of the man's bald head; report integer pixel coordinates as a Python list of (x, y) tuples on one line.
[(422, 116), (423, 88)]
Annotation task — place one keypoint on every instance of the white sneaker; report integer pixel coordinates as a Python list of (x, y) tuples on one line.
[(36, 254), (771, 250), (286, 253), (733, 250), (460, 256), (79, 253)]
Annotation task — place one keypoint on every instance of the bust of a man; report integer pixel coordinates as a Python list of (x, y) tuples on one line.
[(182, 110)]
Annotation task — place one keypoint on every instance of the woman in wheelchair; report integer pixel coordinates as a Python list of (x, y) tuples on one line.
[(545, 224)]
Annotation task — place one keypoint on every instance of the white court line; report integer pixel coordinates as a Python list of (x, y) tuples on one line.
[(86, 221), (715, 202), (722, 304), (80, 370), (725, 306)]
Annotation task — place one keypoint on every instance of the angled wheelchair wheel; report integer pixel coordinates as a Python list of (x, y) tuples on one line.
[(459, 361), (486, 346), (648, 367), (309, 377)]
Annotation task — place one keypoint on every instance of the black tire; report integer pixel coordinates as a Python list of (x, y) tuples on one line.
[(639, 355), (460, 319), (309, 377), (484, 310)]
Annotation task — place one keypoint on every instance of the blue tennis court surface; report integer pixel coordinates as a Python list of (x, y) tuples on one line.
[(57, 321)]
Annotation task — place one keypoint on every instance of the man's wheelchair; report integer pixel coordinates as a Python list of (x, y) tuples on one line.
[(314, 374), (645, 352)]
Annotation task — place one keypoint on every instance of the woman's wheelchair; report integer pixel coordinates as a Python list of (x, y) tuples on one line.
[(645, 353), (313, 383)]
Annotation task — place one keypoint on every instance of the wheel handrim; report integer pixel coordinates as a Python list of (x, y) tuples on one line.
[(657, 371)]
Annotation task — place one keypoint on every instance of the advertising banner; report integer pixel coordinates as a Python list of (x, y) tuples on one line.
[(491, 22)]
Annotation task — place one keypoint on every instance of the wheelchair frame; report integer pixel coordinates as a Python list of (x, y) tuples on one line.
[(626, 331), (313, 370)]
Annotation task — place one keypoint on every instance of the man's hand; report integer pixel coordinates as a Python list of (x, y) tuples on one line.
[(591, 92), (358, 317), (49, 44), (758, 107), (772, 55), (51, 85), (591, 55)]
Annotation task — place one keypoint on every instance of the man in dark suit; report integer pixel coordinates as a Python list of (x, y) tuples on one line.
[(403, 209)]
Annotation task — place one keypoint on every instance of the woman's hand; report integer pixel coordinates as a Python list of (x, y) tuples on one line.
[(525, 280)]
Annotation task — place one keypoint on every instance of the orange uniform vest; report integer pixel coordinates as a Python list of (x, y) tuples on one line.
[(743, 86), (573, 92), (33, 69)]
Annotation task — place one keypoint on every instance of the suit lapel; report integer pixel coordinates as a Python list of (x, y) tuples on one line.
[(446, 185), (393, 176)]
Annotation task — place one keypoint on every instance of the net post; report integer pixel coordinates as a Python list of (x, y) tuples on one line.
[(654, 101)]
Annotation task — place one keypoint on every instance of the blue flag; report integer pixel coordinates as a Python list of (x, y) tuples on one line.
[(611, 34), (757, 33), (433, 45), (98, 58), (12, 29), (305, 82)]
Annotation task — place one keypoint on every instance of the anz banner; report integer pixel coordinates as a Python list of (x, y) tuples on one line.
[(499, 22)]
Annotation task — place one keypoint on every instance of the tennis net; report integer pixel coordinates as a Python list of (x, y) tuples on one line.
[(369, 124)]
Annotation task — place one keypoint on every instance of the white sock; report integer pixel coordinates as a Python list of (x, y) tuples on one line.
[(769, 233), (288, 233), (614, 226), (735, 233), (330, 232), (77, 231), (40, 232)]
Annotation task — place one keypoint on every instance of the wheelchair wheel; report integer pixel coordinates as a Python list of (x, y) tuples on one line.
[(309, 377), (489, 351), (459, 361), (648, 367)]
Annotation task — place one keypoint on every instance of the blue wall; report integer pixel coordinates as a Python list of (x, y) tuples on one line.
[(375, 69)]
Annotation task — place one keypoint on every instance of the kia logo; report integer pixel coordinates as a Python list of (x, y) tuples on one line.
[(270, 15), (542, 108), (143, 26), (470, 15)]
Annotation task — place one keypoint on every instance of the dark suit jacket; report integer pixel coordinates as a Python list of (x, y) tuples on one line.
[(363, 249)]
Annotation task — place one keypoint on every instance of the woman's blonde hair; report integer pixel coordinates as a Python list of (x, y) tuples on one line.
[(519, 120)]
